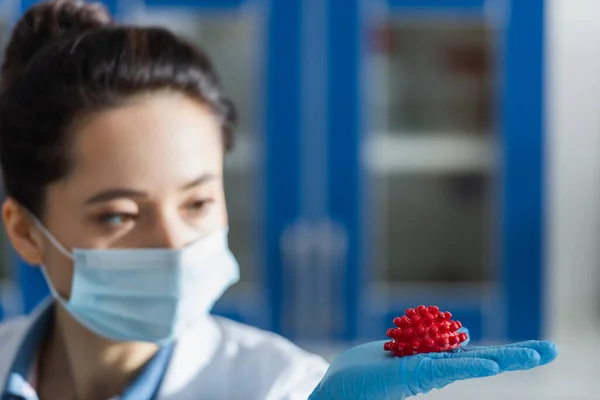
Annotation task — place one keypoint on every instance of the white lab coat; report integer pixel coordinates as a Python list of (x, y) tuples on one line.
[(218, 359)]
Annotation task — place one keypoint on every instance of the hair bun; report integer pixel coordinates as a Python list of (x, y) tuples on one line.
[(45, 22)]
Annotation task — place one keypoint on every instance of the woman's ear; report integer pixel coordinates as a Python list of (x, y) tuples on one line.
[(22, 232)]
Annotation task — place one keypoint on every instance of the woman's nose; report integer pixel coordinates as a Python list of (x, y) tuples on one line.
[(170, 231)]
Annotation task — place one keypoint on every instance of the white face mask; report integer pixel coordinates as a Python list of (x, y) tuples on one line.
[(147, 294)]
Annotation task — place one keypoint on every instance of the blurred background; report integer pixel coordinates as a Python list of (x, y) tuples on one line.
[(393, 153)]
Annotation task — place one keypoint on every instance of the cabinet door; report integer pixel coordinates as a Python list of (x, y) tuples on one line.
[(436, 169)]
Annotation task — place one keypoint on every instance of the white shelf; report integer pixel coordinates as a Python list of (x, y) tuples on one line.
[(387, 153), (394, 154)]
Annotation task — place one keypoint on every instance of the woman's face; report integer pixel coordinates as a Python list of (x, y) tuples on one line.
[(148, 174)]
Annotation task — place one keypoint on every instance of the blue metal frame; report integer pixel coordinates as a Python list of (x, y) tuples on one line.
[(345, 131), (520, 110), (204, 5), (282, 163), (523, 205), (32, 283), (111, 4), (436, 5)]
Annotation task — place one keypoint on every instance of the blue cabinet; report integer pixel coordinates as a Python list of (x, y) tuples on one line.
[(435, 161), (390, 154)]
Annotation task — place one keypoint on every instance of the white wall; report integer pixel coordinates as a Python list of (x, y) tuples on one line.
[(573, 164)]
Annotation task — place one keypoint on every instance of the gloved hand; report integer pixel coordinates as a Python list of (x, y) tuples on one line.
[(367, 372)]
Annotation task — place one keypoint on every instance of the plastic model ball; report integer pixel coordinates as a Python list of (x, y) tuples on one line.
[(424, 330)]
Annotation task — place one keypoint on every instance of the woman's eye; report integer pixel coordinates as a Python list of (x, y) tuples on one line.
[(116, 219), (199, 205)]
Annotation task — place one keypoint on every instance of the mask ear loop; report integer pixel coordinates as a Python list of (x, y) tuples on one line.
[(58, 247), (50, 237)]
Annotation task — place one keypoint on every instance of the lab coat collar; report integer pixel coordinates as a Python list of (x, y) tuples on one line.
[(13, 341), (192, 352)]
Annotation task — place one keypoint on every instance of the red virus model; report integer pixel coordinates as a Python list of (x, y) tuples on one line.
[(424, 330)]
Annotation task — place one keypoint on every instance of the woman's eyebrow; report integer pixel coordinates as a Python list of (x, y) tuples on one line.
[(116, 193), (119, 193), (200, 180)]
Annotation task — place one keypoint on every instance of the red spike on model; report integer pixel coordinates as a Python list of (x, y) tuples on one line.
[(424, 330)]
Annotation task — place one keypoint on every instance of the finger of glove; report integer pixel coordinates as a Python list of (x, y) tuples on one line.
[(547, 350), (507, 358), (437, 373)]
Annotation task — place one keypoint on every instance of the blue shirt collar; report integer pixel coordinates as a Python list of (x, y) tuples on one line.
[(144, 387)]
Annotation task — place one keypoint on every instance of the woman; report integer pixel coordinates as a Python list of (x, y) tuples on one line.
[(111, 144)]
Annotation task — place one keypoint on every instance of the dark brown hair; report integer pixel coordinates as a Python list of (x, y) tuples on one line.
[(67, 59)]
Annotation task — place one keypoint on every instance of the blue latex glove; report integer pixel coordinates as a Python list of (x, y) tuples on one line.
[(367, 372)]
